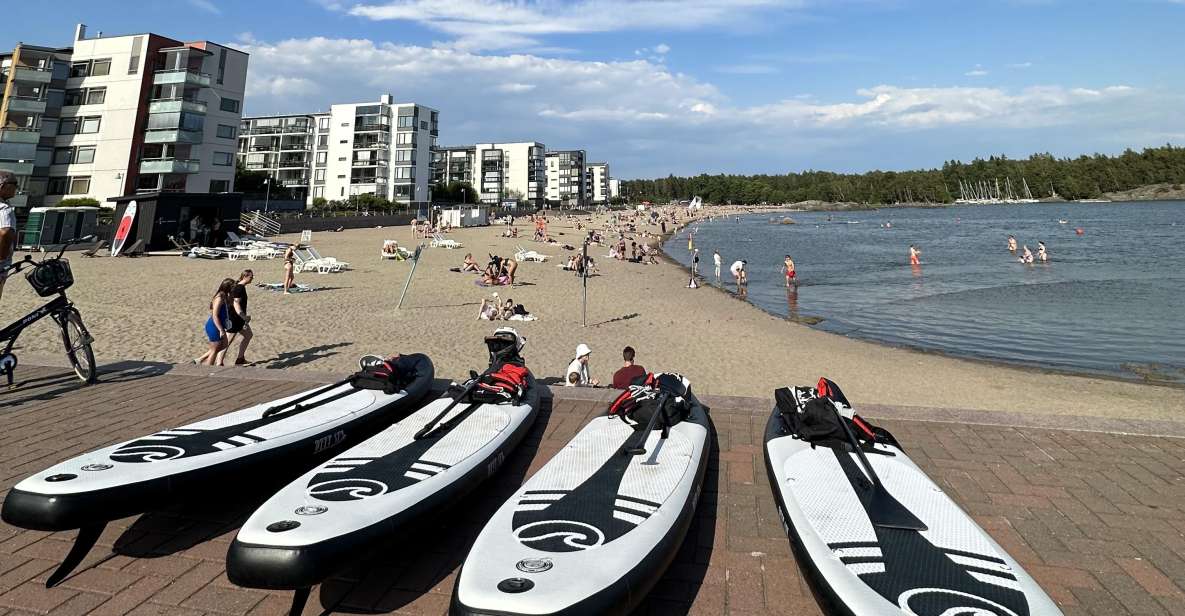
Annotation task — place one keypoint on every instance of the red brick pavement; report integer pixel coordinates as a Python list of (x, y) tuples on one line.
[(1097, 518)]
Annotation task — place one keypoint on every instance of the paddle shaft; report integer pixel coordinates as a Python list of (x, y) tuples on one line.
[(468, 389), (639, 447), (312, 394)]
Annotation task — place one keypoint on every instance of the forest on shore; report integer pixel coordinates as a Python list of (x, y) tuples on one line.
[(1085, 177)]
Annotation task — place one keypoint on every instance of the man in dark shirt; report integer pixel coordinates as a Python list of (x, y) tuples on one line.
[(624, 377), (240, 321)]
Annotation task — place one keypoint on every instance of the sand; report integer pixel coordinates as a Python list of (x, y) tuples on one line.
[(153, 308)]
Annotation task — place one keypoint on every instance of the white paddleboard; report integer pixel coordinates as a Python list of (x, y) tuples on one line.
[(124, 229)]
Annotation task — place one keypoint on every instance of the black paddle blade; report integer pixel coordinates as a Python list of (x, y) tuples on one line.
[(87, 536), (887, 512)]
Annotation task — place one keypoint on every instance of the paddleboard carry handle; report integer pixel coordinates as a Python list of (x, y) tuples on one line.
[(312, 394), (884, 510), (473, 381)]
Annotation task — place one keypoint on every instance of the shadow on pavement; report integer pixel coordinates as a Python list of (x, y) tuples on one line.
[(296, 358), (63, 381)]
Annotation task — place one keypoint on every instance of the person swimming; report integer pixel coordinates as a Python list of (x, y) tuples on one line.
[(914, 255), (1027, 256), (1011, 244), (1042, 255)]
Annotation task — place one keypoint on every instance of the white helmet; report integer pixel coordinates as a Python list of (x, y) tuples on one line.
[(505, 332)]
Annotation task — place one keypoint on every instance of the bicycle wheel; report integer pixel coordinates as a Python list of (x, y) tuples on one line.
[(78, 347)]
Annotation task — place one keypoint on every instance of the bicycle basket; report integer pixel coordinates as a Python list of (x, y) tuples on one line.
[(50, 277)]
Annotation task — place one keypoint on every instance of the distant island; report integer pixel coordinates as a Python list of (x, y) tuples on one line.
[(1155, 173)]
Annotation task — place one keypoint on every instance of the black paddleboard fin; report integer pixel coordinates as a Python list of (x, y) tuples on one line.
[(299, 598), (87, 536), (886, 511)]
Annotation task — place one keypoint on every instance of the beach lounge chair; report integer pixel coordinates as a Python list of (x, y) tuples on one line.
[(135, 250), (181, 244), (334, 264), (233, 240), (308, 262), (529, 255), (99, 245), (392, 250), (440, 241)]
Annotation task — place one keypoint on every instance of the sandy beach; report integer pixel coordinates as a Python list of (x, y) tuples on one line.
[(153, 308)]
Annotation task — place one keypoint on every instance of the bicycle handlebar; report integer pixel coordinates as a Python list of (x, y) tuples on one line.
[(18, 265)]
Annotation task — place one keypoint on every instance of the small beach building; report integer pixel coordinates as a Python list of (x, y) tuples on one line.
[(465, 216), (53, 226), (201, 218)]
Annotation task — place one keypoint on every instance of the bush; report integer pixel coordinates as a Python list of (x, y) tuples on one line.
[(79, 202), (319, 202)]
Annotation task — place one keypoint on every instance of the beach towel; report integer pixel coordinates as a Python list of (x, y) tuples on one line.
[(296, 288)]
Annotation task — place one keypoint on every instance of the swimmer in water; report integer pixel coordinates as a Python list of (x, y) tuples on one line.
[(1042, 256), (1027, 257), (1011, 244), (914, 255), (791, 274)]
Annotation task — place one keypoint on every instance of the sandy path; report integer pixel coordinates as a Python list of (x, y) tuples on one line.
[(153, 308)]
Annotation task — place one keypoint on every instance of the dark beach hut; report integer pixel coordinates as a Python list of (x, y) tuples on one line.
[(201, 218)]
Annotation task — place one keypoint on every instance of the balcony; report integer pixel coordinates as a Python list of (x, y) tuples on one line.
[(293, 163), (173, 135), (172, 105), (169, 165), (25, 105), (183, 76), (20, 135), (377, 162), (17, 168), (293, 181), (32, 74)]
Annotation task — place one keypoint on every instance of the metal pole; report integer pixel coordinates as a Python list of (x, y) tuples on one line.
[(268, 195), (584, 284), (415, 260)]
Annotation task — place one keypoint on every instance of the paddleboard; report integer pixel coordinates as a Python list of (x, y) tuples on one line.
[(595, 528), (124, 229), (150, 472), (325, 519), (855, 566)]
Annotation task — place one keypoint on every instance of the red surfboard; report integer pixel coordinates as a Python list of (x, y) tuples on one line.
[(124, 228)]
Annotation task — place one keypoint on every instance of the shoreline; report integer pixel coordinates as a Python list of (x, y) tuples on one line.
[(811, 321)]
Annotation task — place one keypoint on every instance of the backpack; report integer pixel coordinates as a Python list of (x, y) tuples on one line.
[(385, 377), (506, 384), (639, 402), (814, 415)]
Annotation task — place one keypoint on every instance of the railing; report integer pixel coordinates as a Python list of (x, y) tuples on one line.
[(20, 135), (168, 105), (276, 130), (181, 75), (169, 165), (172, 135), (35, 74), (258, 223)]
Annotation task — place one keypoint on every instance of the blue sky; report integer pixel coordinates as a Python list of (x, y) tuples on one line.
[(714, 86)]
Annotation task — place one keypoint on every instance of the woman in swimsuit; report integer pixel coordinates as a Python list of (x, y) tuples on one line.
[(1028, 255), (1042, 256), (791, 274), (218, 322), (1011, 244), (914, 255), (290, 267), (470, 264)]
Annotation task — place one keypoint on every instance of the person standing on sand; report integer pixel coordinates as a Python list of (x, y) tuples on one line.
[(791, 274), (290, 267), (716, 262), (914, 255), (695, 262), (624, 377), (8, 185), (579, 367)]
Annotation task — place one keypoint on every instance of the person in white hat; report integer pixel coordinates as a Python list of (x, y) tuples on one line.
[(577, 373)]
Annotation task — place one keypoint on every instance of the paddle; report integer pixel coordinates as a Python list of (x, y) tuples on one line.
[(883, 510), (639, 446), (473, 381), (312, 394)]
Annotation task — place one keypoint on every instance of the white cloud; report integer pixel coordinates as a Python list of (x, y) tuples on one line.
[(978, 71), (518, 24), (1021, 65), (662, 48), (624, 111), (206, 6)]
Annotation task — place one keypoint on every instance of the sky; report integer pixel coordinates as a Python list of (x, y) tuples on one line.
[(658, 87)]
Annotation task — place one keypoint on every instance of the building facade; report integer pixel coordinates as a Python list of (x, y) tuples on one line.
[(565, 179), (596, 183), (614, 188), (122, 115), (497, 171), (382, 148)]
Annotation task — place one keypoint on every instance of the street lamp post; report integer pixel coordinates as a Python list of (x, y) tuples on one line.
[(267, 196)]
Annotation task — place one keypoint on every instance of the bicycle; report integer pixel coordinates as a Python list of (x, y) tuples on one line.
[(51, 276)]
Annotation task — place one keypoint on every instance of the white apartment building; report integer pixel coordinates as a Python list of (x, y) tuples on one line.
[(565, 179), (138, 113), (614, 188), (382, 148), (497, 171), (596, 183)]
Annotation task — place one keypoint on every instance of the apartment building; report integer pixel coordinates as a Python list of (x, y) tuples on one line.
[(382, 148), (497, 171), (614, 188), (596, 183), (118, 115), (565, 179)]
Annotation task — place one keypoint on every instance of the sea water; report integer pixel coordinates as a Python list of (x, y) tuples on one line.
[(1111, 299)]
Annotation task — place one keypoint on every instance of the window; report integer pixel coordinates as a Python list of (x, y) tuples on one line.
[(79, 69), (229, 104), (101, 67), (68, 126), (134, 61), (96, 96), (223, 159), (318, 175), (89, 126), (405, 155), (407, 122), (404, 173), (344, 141), (423, 125), (80, 185), (318, 191), (324, 123), (322, 157), (405, 139), (341, 158), (57, 186), (221, 70), (61, 156), (322, 141), (74, 97), (219, 186), (84, 156), (226, 132)]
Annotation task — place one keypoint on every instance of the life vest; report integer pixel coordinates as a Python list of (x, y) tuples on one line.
[(506, 384), (385, 377)]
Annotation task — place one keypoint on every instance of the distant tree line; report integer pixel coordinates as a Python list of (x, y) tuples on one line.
[(1072, 178)]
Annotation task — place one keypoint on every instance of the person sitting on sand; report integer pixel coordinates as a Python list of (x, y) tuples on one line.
[(489, 309), (1011, 244), (624, 377), (579, 368), (470, 264), (914, 255), (1042, 256)]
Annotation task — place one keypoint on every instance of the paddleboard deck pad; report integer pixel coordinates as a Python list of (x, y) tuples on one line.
[(596, 527), (856, 564), (338, 511), (152, 471)]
